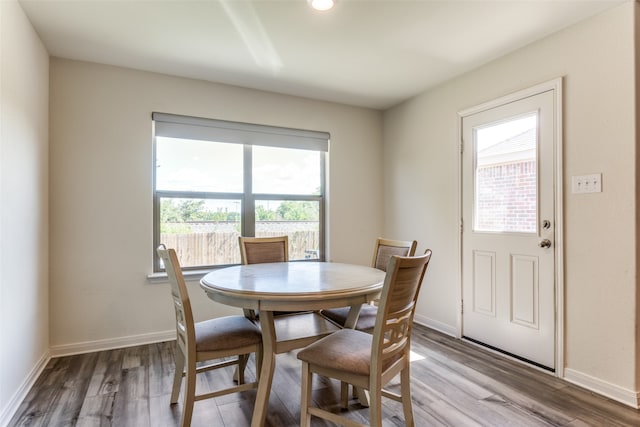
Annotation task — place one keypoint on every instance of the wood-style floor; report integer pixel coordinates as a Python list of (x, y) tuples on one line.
[(454, 383)]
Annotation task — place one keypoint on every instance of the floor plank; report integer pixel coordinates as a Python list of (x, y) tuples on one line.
[(454, 383)]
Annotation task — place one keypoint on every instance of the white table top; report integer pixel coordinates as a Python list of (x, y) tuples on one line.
[(293, 281)]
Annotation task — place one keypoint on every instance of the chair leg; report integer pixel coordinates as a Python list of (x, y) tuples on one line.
[(189, 395), (177, 376), (344, 394), (405, 390), (259, 353), (375, 407), (362, 395), (242, 365), (305, 401), (236, 374)]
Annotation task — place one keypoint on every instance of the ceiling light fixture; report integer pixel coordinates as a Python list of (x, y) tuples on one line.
[(321, 4)]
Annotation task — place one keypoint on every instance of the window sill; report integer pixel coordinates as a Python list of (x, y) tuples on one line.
[(196, 275), (189, 276)]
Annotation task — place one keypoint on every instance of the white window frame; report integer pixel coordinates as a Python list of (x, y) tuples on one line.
[(247, 134)]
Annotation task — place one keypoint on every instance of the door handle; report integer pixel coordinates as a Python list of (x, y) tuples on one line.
[(545, 243)]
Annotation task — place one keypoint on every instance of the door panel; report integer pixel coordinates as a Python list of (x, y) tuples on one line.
[(507, 195), (484, 282), (524, 285)]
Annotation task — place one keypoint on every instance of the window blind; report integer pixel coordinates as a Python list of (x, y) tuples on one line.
[(203, 129)]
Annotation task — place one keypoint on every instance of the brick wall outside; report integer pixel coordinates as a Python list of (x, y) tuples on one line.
[(506, 197)]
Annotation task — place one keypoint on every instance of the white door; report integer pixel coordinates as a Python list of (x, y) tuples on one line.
[(508, 223)]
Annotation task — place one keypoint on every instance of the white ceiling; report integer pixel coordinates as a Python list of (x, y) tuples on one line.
[(371, 53)]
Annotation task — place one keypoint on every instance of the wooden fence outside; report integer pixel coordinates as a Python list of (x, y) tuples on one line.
[(221, 248)]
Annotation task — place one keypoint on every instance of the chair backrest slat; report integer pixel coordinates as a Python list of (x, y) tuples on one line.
[(384, 249), (258, 250)]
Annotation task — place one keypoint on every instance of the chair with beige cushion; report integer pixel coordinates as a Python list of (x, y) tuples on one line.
[(370, 361), (383, 250), (210, 340)]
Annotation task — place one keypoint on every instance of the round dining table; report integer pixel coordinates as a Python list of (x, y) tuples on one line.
[(302, 288)]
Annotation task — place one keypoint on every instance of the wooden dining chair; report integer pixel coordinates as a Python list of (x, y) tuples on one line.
[(207, 341), (382, 252), (258, 250), (370, 361)]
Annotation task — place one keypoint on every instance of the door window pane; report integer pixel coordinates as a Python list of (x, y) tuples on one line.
[(300, 220), (506, 176)]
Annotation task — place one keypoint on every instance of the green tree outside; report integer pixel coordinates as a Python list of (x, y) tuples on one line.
[(298, 211), (175, 214)]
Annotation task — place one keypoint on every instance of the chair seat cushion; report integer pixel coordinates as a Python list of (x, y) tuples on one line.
[(347, 350), (225, 333), (366, 320)]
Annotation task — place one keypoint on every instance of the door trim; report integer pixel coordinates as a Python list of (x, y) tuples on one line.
[(554, 85)]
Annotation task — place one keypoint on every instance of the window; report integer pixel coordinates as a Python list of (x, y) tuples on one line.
[(215, 180), (506, 176)]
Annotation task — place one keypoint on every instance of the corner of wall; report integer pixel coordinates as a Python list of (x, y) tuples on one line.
[(636, 52)]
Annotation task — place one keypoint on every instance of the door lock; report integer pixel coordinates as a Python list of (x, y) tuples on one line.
[(546, 224), (545, 243)]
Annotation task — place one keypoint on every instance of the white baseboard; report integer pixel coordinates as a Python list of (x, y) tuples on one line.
[(612, 391), (12, 406), (438, 326), (110, 344)]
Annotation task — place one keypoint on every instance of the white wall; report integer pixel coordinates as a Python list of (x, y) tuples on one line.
[(596, 58), (24, 297), (101, 187), (637, 187)]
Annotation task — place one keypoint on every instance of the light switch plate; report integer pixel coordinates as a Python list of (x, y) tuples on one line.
[(586, 183)]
